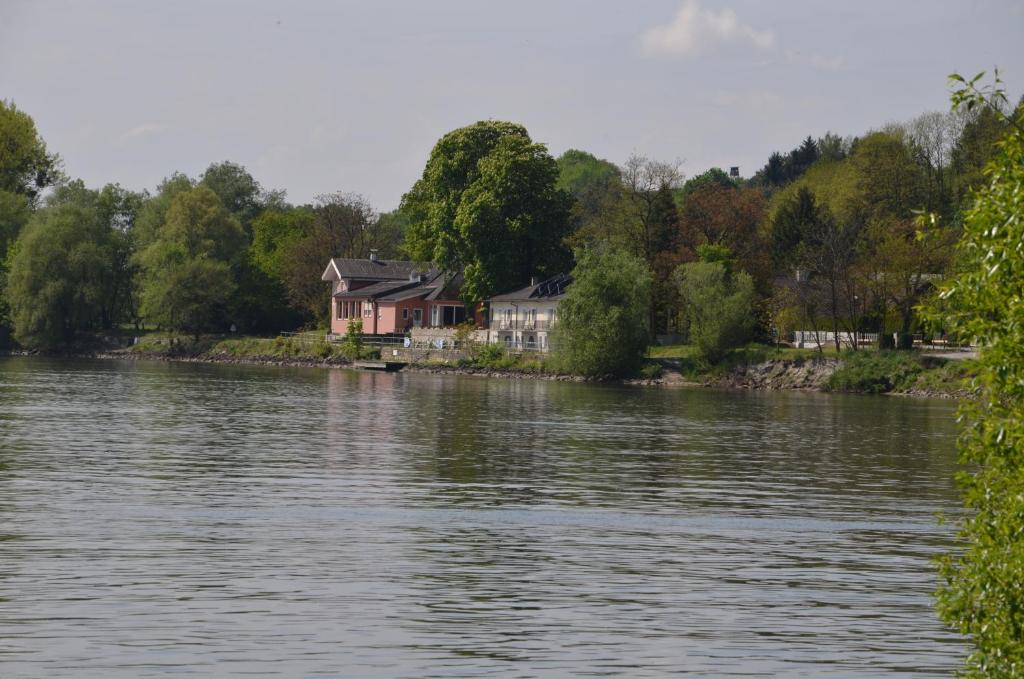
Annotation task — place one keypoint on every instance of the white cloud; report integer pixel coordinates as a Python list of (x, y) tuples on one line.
[(144, 130), (695, 30)]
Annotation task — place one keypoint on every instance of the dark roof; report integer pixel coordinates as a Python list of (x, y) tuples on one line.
[(377, 289), (431, 286), (550, 289), (375, 269)]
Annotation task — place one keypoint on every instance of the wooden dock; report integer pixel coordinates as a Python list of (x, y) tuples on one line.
[(388, 366)]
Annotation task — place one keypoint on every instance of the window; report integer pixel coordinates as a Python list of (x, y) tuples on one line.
[(405, 314), (417, 317), (367, 309), (338, 309), (445, 315)]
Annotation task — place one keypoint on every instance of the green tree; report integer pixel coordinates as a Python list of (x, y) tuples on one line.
[(153, 212), (25, 166), (487, 206), (602, 321), (60, 272), (340, 225), (717, 303), (188, 275), (982, 594), (239, 192), (715, 176)]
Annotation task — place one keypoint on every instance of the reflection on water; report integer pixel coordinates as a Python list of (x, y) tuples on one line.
[(214, 521)]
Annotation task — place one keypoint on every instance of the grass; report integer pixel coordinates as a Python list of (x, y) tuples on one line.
[(877, 372), (312, 348)]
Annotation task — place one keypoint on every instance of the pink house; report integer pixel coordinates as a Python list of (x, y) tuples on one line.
[(391, 296)]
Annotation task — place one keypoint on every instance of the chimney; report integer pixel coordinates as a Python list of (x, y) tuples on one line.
[(373, 255)]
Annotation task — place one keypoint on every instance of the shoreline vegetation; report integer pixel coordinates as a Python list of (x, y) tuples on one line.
[(753, 367)]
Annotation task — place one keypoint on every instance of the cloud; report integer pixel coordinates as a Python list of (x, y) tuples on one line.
[(144, 130), (695, 30)]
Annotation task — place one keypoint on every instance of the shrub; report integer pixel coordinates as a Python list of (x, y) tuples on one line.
[(873, 372), (488, 354), (603, 319), (982, 594), (718, 307)]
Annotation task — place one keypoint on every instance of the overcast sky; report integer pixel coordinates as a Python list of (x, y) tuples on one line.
[(315, 97)]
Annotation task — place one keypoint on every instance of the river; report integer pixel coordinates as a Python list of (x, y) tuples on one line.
[(201, 520)]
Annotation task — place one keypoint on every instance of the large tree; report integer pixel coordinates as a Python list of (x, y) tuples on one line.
[(488, 206), (188, 271), (602, 322), (62, 268)]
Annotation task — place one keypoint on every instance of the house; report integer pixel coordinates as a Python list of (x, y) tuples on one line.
[(391, 296), (523, 319)]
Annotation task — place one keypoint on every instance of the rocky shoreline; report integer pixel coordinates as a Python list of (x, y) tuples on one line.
[(811, 374)]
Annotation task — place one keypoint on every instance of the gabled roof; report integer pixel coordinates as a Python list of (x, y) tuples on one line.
[(369, 269), (552, 289)]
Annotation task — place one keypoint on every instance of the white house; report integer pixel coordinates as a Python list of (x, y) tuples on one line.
[(522, 319)]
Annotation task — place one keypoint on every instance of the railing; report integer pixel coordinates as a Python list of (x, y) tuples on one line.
[(539, 324)]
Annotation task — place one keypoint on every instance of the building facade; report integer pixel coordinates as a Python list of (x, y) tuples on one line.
[(390, 296), (523, 319)]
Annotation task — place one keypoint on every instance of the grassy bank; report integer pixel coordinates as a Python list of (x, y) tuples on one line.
[(908, 372), (308, 347)]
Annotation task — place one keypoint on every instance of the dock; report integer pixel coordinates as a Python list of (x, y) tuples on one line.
[(388, 366)]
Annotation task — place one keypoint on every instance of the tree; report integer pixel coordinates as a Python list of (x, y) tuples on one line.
[(982, 594), (718, 305), (487, 206), (153, 212), (25, 166), (727, 215), (653, 221), (715, 176), (602, 321), (187, 271), (809, 238), (340, 225), (59, 276), (239, 192)]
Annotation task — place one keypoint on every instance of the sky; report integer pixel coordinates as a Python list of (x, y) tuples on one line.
[(317, 97)]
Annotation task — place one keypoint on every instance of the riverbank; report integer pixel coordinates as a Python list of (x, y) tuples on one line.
[(753, 368)]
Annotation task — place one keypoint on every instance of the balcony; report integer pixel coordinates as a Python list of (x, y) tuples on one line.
[(514, 324)]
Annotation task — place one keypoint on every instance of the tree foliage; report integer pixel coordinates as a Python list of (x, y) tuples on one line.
[(61, 274), (602, 321), (487, 206), (26, 168), (983, 586), (187, 271)]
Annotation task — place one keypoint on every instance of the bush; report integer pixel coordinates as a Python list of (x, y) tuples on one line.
[(488, 354), (718, 307)]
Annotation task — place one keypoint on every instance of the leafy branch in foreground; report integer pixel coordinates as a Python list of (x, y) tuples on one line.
[(982, 590)]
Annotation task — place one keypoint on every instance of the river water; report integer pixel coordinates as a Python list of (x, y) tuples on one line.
[(197, 520)]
